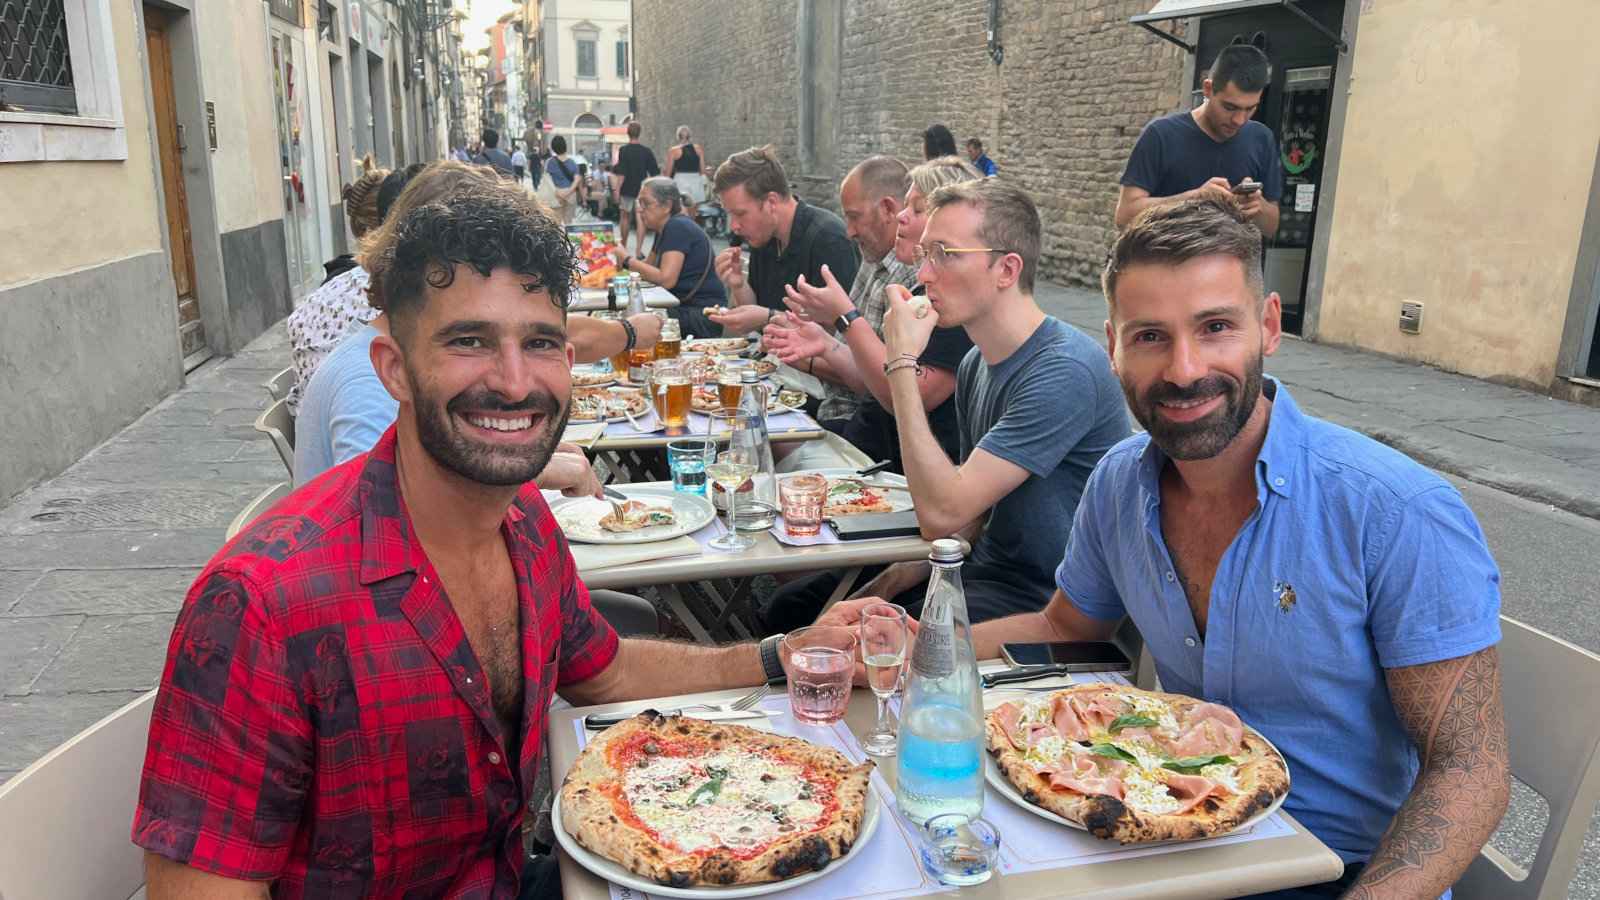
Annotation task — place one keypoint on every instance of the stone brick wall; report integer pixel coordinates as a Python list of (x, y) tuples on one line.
[(1059, 114)]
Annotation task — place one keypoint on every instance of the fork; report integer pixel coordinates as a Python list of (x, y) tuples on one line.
[(743, 704)]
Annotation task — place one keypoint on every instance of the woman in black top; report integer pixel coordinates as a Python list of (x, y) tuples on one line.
[(680, 260), (687, 169)]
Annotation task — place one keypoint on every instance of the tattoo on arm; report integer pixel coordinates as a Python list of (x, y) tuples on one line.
[(1452, 710)]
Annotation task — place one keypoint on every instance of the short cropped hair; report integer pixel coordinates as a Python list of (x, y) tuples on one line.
[(491, 138), (938, 141), (1010, 220), (882, 176), (1170, 234), (634, 130), (1243, 66), (757, 169), (457, 214), (975, 144), (943, 170)]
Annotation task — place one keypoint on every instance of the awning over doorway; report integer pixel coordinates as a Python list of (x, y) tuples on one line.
[(1168, 10)]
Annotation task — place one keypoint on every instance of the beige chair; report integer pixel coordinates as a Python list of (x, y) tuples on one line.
[(277, 423), (1553, 751), (262, 502), (65, 820), (278, 385)]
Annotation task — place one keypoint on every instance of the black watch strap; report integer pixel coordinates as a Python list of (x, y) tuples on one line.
[(633, 336), (770, 663), (842, 324)]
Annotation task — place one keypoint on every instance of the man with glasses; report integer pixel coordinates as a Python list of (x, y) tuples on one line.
[(1215, 150)]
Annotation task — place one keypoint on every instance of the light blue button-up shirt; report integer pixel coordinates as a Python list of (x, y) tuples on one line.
[(1357, 559)]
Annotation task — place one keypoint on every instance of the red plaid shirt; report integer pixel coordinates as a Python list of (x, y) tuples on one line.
[(323, 723)]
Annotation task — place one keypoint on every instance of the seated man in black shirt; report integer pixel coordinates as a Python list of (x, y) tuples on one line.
[(788, 238), (857, 358), (1215, 149)]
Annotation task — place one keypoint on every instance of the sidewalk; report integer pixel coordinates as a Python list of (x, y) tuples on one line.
[(1519, 442), (94, 563)]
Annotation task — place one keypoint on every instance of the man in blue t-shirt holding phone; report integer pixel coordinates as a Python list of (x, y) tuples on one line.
[(1215, 149)]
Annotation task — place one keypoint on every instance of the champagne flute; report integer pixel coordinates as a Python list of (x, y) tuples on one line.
[(884, 636), (732, 469)]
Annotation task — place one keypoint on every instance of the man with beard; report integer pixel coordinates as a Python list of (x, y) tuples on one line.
[(789, 239), (1036, 405), (354, 707), (1334, 593)]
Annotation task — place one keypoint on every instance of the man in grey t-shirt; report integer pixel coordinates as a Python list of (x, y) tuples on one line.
[(1036, 400)]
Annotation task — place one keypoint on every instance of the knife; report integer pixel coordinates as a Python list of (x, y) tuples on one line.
[(1033, 673), (613, 493), (873, 469), (597, 721)]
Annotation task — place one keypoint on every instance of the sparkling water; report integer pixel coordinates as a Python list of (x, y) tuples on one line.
[(940, 769), (689, 475)]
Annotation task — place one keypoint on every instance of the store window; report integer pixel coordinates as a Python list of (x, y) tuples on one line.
[(622, 59), (35, 59), (586, 59)]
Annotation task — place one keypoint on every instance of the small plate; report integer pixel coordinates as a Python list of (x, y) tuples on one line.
[(579, 517), (616, 874)]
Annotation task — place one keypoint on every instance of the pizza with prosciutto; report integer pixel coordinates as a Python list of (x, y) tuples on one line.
[(1136, 766), (687, 802)]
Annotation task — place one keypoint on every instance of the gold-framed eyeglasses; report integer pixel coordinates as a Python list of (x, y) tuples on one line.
[(938, 254)]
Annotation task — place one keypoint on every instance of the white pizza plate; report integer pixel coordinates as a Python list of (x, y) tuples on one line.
[(717, 345), (1003, 786), (616, 389), (579, 517), (616, 874)]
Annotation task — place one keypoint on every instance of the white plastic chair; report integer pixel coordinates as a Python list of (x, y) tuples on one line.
[(1553, 744), (277, 423), (278, 385), (256, 507), (65, 820)]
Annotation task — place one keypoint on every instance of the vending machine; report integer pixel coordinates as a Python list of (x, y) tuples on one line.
[(1302, 132)]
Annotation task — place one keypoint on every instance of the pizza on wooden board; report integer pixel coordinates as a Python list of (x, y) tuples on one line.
[(687, 802), (852, 496), (1136, 766)]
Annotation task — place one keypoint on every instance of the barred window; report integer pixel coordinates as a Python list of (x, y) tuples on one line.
[(35, 61)]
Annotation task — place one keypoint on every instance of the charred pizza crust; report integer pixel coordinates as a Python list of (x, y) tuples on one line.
[(1261, 778), (590, 808), (852, 496)]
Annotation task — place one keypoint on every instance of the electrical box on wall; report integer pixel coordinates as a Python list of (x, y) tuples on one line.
[(1410, 317)]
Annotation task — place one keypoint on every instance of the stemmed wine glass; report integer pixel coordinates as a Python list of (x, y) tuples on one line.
[(732, 468), (884, 636)]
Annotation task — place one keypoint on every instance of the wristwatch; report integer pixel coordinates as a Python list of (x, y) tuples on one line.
[(842, 324), (770, 664)]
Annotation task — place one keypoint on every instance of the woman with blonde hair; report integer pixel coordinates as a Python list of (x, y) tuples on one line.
[(686, 166)]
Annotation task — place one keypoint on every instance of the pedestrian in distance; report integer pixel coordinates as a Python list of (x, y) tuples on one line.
[(1215, 150), (492, 155), (635, 163), (519, 164), (937, 141), (686, 166), (980, 159)]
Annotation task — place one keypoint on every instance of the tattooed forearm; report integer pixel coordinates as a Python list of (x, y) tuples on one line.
[(1452, 709)]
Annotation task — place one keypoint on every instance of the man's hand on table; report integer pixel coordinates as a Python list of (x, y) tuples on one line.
[(794, 340), (741, 319), (819, 303), (570, 473)]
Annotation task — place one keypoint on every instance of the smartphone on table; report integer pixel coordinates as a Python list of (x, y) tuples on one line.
[(1073, 656)]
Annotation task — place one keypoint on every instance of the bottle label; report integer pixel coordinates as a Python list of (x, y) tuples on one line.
[(933, 653)]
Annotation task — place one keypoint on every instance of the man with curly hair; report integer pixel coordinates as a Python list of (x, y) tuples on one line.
[(356, 686)]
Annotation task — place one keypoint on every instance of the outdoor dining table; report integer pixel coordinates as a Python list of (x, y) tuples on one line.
[(705, 588), (594, 299), (627, 448), (1283, 855)]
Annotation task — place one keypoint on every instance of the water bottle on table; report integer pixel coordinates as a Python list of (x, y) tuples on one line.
[(759, 510), (940, 769)]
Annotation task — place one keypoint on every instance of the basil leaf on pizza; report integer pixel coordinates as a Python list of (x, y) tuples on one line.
[(1134, 765)]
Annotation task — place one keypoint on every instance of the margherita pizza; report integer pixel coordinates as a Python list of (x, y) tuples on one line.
[(706, 400), (688, 802), (636, 514), (1136, 766), (851, 496), (593, 404)]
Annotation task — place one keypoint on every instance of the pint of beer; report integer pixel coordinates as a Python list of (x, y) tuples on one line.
[(728, 388), (671, 390), (671, 340)]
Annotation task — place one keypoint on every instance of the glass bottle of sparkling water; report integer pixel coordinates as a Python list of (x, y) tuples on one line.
[(759, 510), (635, 295), (940, 767)]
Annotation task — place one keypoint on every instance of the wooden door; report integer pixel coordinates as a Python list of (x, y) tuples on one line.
[(191, 332)]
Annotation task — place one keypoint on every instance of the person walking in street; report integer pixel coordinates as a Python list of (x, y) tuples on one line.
[(519, 164), (635, 163), (408, 618), (680, 259), (937, 141), (492, 155), (1214, 150), (788, 238), (686, 166), (560, 188), (980, 159)]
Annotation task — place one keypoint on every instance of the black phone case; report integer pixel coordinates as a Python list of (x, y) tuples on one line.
[(876, 525)]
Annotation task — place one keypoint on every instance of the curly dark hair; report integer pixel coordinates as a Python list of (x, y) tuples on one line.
[(489, 227)]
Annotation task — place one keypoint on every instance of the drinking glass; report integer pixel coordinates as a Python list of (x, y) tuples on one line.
[(800, 498), (884, 636), (671, 390), (819, 660), (671, 340), (688, 459), (733, 467)]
